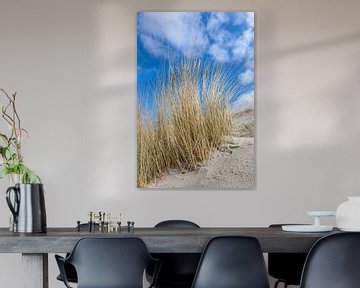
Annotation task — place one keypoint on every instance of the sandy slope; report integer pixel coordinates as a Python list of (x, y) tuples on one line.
[(230, 166)]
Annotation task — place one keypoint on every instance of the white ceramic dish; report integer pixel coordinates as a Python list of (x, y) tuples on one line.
[(321, 213), (306, 228)]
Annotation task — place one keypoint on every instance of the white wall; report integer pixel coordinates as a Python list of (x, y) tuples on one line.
[(73, 64)]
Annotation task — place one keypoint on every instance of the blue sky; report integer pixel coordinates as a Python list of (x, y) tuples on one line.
[(224, 37)]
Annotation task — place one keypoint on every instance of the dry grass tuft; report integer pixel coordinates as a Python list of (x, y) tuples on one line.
[(192, 116)]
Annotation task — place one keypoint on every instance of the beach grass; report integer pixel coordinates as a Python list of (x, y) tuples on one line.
[(190, 117)]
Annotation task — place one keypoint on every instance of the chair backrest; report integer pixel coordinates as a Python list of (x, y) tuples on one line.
[(110, 262), (232, 262), (333, 262), (176, 224), (286, 267), (178, 269)]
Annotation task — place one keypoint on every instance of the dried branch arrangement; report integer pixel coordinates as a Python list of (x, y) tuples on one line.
[(11, 158)]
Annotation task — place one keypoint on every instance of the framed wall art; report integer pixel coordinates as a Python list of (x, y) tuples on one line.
[(195, 95)]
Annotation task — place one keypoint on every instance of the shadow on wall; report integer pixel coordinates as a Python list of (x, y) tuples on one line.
[(305, 48), (307, 109)]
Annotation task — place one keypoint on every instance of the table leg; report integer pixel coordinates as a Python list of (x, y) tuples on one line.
[(35, 270)]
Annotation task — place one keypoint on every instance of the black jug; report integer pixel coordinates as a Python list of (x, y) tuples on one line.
[(28, 208)]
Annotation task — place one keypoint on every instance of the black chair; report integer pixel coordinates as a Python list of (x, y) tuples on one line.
[(178, 269), (176, 224), (108, 263), (333, 262), (232, 262), (286, 267), (69, 269)]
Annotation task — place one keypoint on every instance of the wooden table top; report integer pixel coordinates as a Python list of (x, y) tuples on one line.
[(158, 240)]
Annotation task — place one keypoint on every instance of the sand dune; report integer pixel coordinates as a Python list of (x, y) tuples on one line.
[(230, 166)]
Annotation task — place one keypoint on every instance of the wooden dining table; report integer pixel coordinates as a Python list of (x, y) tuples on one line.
[(35, 247)]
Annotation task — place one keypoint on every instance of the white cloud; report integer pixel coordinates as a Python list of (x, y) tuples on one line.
[(239, 18), (156, 47), (243, 48), (245, 101), (244, 18), (216, 20), (243, 43), (250, 19), (163, 33), (247, 77), (224, 38), (249, 64), (219, 53), (181, 30)]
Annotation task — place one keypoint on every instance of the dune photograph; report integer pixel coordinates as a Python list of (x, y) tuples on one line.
[(195, 95)]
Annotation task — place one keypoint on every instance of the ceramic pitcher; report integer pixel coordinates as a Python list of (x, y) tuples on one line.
[(27, 204)]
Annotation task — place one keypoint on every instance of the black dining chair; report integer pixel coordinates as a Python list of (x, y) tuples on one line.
[(108, 263), (232, 262), (178, 269), (333, 262), (70, 271), (286, 267)]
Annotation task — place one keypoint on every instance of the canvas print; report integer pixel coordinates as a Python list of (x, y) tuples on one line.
[(195, 100)]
